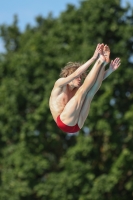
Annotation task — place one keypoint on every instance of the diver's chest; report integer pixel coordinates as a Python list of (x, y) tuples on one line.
[(67, 96)]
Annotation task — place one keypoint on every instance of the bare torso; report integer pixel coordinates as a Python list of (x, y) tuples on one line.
[(60, 96)]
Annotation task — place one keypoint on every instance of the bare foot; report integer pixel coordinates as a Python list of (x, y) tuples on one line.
[(106, 52), (102, 57)]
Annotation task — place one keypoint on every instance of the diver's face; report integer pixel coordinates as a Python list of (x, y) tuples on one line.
[(77, 81)]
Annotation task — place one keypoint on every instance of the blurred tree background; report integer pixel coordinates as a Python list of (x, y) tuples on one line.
[(37, 160)]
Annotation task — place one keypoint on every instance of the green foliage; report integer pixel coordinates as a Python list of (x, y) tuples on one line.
[(37, 160)]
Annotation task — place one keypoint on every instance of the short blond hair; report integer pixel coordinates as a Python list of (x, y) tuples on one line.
[(70, 68)]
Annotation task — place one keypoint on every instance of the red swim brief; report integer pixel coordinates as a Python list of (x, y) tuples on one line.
[(66, 128)]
